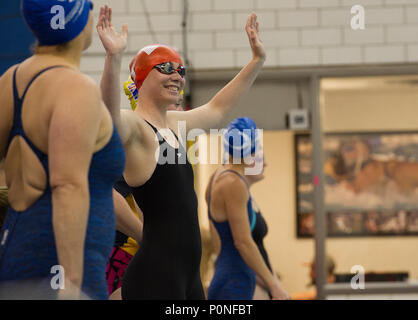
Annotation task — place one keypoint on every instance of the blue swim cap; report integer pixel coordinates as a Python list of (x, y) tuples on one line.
[(56, 21), (241, 138)]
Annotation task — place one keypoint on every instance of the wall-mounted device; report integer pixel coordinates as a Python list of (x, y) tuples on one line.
[(297, 119)]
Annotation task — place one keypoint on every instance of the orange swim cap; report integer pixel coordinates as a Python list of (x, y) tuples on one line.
[(147, 58)]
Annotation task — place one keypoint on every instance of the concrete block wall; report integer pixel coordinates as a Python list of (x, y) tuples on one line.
[(296, 33)]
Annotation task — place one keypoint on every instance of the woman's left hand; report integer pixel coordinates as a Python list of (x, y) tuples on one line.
[(252, 29)]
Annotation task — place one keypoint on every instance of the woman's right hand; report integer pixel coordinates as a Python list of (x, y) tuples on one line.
[(113, 42), (278, 292)]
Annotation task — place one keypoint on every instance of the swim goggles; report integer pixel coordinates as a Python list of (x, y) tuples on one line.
[(168, 68)]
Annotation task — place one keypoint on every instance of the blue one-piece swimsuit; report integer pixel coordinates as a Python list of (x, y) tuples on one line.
[(233, 278), (27, 245)]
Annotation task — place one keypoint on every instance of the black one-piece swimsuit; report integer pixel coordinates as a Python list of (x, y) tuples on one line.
[(167, 265)]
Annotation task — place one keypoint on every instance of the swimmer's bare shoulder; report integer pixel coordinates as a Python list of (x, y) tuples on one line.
[(6, 97), (6, 88), (72, 85), (140, 146), (139, 131), (78, 107)]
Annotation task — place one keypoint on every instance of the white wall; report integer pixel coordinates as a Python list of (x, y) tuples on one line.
[(295, 32)]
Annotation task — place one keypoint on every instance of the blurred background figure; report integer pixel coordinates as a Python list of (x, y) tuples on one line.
[(311, 294), (233, 219), (262, 291)]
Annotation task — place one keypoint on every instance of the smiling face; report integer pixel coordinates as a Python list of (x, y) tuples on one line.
[(164, 88)]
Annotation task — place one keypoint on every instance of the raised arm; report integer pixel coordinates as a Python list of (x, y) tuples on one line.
[(138, 138), (73, 130), (114, 44), (236, 208), (215, 112)]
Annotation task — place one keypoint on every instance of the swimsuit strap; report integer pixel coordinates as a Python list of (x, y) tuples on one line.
[(17, 128), (249, 206), (253, 219), (153, 128), (240, 176), (253, 215), (210, 194), (36, 76), (159, 134)]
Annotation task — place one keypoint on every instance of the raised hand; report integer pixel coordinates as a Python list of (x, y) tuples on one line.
[(113, 42), (252, 30)]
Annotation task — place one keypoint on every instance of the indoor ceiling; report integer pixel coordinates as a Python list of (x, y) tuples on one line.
[(400, 82)]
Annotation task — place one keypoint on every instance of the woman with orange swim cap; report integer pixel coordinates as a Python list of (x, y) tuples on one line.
[(167, 265)]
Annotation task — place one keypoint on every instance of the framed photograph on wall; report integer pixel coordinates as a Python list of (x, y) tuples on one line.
[(304, 185), (370, 187)]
